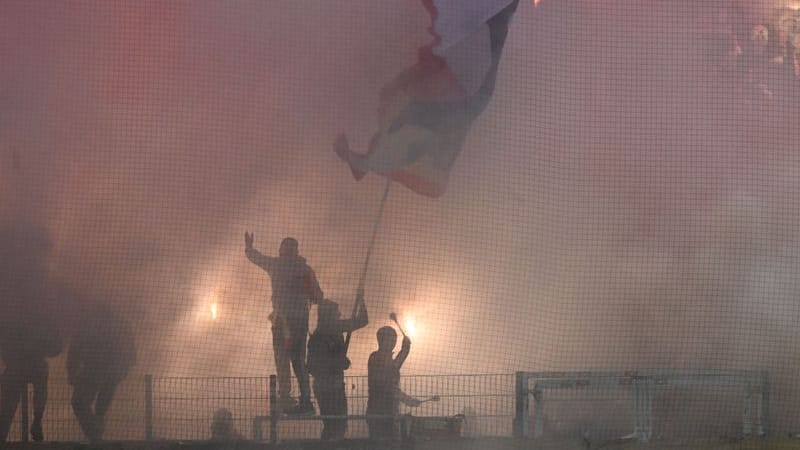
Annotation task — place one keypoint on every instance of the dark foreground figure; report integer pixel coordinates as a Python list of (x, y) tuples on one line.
[(28, 335), (25, 347), (327, 361), (100, 356)]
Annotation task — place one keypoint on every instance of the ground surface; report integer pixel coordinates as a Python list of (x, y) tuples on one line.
[(453, 444)]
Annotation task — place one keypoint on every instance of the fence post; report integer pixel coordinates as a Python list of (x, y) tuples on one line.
[(521, 406), (273, 409), (258, 432), (764, 412), (24, 415), (747, 408), (538, 412), (148, 407), (643, 407)]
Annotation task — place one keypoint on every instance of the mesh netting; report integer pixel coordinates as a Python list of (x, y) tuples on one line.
[(624, 199)]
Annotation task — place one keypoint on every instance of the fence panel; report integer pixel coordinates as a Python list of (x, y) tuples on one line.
[(642, 404), (183, 407), (125, 419)]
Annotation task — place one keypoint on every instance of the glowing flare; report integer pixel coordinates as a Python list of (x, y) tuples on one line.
[(410, 327), (214, 311)]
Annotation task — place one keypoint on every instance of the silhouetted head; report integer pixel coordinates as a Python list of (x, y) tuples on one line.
[(222, 425), (760, 35), (289, 247), (327, 313), (387, 338)]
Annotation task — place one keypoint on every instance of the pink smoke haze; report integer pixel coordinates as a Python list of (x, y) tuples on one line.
[(626, 201)]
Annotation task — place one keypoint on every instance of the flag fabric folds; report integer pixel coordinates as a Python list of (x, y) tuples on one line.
[(425, 113)]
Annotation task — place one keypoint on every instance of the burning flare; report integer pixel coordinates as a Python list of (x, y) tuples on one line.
[(411, 327), (214, 311)]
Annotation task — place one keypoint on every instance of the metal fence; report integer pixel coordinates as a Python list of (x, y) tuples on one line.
[(642, 404), (125, 420), (181, 408)]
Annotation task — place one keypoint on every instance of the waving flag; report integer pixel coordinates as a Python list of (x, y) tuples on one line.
[(426, 111)]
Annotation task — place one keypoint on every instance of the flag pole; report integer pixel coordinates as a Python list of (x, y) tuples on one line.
[(363, 277)]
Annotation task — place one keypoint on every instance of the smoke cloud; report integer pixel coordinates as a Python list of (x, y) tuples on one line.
[(624, 202)]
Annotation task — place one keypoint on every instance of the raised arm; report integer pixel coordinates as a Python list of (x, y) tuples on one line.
[(256, 257), (401, 357), (360, 320)]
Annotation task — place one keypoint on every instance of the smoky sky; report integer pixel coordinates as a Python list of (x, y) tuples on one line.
[(620, 203)]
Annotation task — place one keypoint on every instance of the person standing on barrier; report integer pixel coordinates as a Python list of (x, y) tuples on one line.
[(383, 378), (101, 354), (327, 361), (294, 285)]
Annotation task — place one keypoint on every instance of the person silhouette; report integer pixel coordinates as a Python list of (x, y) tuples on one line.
[(294, 285), (101, 354), (327, 361)]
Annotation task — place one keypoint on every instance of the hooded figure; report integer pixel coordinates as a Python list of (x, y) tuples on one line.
[(327, 361), (294, 285)]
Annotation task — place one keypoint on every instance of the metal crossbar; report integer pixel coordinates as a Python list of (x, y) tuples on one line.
[(493, 405), (642, 385), (182, 407)]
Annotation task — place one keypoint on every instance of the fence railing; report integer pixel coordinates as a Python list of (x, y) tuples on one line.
[(182, 407), (124, 421), (630, 403), (525, 404)]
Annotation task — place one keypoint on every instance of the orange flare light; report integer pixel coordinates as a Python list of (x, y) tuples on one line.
[(214, 311), (410, 327)]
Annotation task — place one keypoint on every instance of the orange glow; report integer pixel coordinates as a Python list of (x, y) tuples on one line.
[(411, 327), (214, 311)]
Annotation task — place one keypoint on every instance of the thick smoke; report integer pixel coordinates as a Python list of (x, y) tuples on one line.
[(624, 202)]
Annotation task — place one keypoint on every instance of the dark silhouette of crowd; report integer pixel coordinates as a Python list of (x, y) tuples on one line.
[(101, 351), (102, 347), (324, 356), (761, 58)]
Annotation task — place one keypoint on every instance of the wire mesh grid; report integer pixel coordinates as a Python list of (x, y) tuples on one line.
[(668, 404), (183, 407), (124, 421), (626, 195)]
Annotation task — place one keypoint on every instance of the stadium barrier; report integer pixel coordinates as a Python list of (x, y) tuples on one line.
[(638, 389), (525, 405)]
